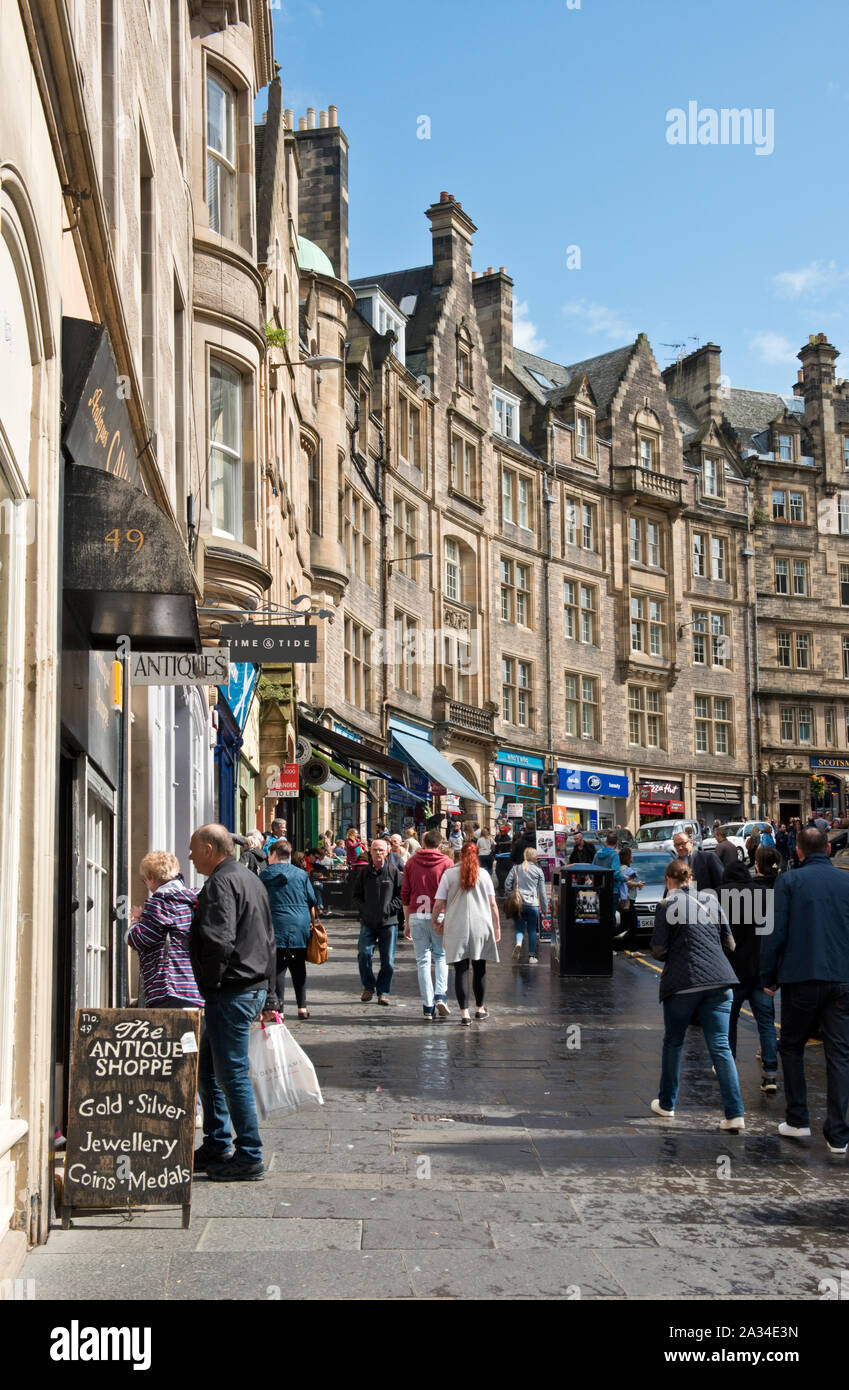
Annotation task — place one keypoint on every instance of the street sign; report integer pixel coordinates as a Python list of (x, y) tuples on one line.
[(211, 667), (249, 642)]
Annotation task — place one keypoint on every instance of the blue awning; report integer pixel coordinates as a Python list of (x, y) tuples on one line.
[(402, 797), (438, 769)]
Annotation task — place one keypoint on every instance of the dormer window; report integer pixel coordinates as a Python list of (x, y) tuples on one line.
[(713, 476), (505, 415), (785, 448), (647, 458), (583, 435), (384, 317)]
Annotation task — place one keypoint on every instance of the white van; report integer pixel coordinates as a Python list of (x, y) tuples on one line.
[(657, 834)]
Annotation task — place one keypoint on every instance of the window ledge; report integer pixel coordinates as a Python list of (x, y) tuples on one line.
[(11, 1133), (470, 501)]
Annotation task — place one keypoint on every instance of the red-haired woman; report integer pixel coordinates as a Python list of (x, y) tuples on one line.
[(465, 913)]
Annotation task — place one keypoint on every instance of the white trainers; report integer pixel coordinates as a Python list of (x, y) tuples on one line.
[(517, 951), (833, 1150), (737, 1123), (794, 1131), (442, 1009), (533, 960), (656, 1107)]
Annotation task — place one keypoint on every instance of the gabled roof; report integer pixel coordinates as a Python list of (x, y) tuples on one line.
[(604, 373), (561, 394)]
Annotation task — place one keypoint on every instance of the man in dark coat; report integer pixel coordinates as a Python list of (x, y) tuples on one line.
[(702, 863), (376, 897), (806, 956), (583, 851), (231, 944)]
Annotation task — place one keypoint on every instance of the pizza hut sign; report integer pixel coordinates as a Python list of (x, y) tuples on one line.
[(660, 791)]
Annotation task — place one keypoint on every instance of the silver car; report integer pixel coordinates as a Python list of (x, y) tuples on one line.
[(658, 834), (651, 865)]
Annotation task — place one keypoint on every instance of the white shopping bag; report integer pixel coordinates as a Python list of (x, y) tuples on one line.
[(282, 1074)]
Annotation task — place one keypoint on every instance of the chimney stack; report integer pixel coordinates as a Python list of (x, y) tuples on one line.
[(818, 357), (493, 296), (452, 231), (323, 186), (696, 380)]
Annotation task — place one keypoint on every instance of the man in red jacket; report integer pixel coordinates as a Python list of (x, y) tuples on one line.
[(422, 873)]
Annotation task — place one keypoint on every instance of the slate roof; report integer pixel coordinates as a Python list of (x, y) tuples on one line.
[(749, 413), (605, 373), (687, 419), (400, 283)]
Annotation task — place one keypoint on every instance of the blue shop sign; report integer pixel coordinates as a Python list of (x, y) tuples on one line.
[(598, 783), (830, 764), (520, 760), (346, 732)]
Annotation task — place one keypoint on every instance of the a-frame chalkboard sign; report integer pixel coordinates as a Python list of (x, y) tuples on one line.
[(131, 1121)]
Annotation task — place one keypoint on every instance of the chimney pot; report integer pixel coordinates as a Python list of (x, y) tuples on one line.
[(302, 123), (310, 118), (501, 270), (474, 275), (290, 118), (333, 114), (489, 270), (459, 205), (322, 120), (445, 197)]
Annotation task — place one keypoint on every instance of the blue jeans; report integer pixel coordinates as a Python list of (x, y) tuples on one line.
[(528, 922), (429, 947), (816, 1008), (224, 1079), (385, 939), (763, 1008), (712, 1008)]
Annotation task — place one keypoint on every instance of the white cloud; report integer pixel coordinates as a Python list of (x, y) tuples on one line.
[(524, 331), (597, 318), (773, 349), (818, 277)]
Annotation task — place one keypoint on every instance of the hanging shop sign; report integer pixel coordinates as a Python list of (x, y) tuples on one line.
[(180, 668), (131, 1118), (285, 782), (249, 642), (98, 432)]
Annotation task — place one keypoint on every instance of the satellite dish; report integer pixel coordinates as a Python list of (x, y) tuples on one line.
[(303, 752)]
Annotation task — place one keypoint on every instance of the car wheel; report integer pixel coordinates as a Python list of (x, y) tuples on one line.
[(741, 855)]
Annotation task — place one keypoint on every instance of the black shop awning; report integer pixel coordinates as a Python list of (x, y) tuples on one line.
[(126, 568), (351, 751)]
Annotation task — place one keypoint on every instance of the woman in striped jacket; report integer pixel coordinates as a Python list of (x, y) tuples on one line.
[(160, 934)]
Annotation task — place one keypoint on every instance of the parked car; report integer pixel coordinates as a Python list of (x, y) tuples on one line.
[(837, 840), (650, 864), (658, 833), (738, 832)]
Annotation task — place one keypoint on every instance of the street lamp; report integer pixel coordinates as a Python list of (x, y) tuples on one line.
[(402, 559)]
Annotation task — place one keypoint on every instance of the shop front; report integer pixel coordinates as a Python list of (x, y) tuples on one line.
[(718, 801), (451, 793), (518, 784), (593, 799), (834, 801), (660, 799)]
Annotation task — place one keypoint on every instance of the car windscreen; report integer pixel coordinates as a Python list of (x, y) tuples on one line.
[(651, 868), (647, 834)]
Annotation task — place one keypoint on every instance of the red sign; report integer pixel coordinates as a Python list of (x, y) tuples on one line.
[(660, 791), (286, 781)]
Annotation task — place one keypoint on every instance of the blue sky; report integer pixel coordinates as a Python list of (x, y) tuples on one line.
[(549, 124)]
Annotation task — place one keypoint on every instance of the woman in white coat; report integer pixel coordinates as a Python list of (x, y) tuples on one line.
[(466, 915)]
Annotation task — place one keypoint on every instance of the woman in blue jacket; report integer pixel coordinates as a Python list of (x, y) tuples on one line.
[(292, 900)]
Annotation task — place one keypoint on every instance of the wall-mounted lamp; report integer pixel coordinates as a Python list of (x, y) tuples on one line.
[(402, 559)]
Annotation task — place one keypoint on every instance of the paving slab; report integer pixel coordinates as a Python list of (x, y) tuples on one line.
[(255, 1233), (289, 1275), (513, 1274)]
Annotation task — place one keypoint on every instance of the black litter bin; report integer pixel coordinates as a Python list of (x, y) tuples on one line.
[(585, 921)]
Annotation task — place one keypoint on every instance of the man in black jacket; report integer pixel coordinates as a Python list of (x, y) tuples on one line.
[(376, 896), (702, 863), (583, 851), (233, 956)]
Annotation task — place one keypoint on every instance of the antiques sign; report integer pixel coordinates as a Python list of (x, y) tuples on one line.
[(131, 1121)]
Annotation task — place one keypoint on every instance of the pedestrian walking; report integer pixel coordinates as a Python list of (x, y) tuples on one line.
[(486, 849), (160, 934), (422, 875), (696, 985), (529, 881), (253, 854), (725, 852), (466, 916), (753, 844), (631, 885), (293, 903), (411, 843), (455, 837), (607, 857), (276, 831), (747, 904), (806, 956), (583, 851), (233, 957), (705, 868), (377, 901)]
